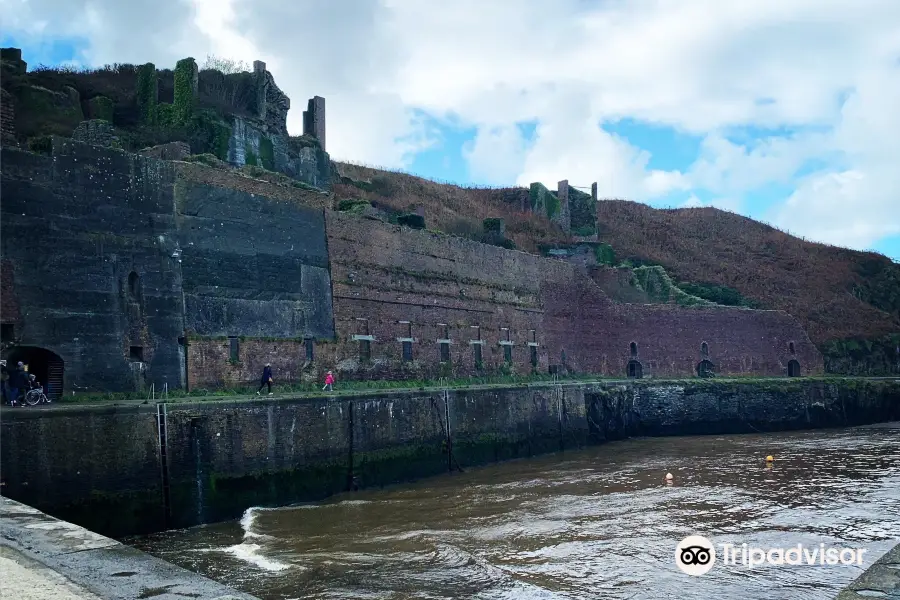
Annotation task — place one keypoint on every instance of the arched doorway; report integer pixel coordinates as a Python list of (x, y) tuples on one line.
[(46, 366), (635, 369), (793, 368), (705, 368)]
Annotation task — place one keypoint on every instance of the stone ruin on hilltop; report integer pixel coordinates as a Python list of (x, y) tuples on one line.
[(239, 118)]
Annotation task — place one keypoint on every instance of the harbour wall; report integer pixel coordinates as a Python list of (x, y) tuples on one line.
[(137, 468)]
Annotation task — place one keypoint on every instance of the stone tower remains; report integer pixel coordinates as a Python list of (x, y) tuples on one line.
[(314, 119)]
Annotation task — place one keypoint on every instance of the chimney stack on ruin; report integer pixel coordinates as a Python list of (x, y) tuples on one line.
[(314, 119)]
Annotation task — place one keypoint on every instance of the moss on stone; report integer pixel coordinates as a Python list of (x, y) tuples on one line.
[(250, 156), (266, 153), (165, 115), (185, 97), (146, 93), (101, 107)]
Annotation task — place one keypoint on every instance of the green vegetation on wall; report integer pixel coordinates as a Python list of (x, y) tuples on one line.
[(583, 212), (147, 92), (720, 294), (165, 115), (250, 156), (657, 284), (543, 199), (209, 132), (101, 107), (856, 356), (266, 154), (605, 254), (185, 98)]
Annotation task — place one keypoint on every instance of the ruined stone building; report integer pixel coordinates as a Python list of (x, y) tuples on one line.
[(122, 270)]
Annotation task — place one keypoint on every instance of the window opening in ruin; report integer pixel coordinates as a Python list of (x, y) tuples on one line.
[(705, 368), (704, 349), (507, 353), (182, 340), (534, 357), (310, 349), (234, 349), (476, 349), (407, 351), (362, 326), (506, 330), (477, 329), (7, 332), (408, 328), (633, 349), (445, 351), (635, 369), (791, 347), (134, 287), (445, 331), (533, 336), (365, 350), (136, 353), (793, 369)]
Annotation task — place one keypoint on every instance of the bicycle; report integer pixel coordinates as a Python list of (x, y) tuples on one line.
[(36, 396)]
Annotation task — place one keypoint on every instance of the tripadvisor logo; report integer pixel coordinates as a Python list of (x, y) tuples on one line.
[(696, 555)]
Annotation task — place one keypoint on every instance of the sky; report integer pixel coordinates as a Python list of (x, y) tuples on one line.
[(782, 110)]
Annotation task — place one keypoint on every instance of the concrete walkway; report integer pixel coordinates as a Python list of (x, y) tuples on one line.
[(881, 580), (48, 559)]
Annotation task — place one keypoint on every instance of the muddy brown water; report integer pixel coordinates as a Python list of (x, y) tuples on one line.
[(594, 523)]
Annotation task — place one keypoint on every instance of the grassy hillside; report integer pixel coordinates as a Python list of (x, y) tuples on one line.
[(848, 300), (448, 208)]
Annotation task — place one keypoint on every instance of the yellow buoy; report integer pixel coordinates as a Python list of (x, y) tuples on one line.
[(770, 458), (669, 477)]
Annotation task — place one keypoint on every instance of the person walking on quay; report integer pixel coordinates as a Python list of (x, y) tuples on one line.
[(17, 383), (329, 381), (4, 377), (266, 379)]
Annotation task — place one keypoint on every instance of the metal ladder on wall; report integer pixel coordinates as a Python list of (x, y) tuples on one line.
[(162, 429), (445, 394)]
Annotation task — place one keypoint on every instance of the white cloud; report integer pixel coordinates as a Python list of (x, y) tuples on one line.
[(703, 67)]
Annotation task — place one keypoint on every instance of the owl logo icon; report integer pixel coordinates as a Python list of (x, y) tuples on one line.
[(695, 555)]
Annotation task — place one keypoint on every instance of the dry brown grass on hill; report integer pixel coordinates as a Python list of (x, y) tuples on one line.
[(813, 282), (449, 208)]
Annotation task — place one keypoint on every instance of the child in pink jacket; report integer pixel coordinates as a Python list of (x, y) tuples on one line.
[(329, 381)]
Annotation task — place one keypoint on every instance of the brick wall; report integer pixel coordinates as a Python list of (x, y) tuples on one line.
[(596, 335), (210, 364), (9, 305), (387, 274), (383, 275)]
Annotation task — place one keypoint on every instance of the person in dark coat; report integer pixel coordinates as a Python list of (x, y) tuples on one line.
[(18, 381), (266, 379), (4, 380)]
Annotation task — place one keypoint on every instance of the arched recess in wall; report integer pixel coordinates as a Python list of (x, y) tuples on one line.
[(791, 347), (47, 367), (134, 287), (705, 368), (635, 369), (633, 348), (704, 349), (793, 368)]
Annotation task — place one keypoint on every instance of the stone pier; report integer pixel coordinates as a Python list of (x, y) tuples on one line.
[(881, 580), (43, 558)]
